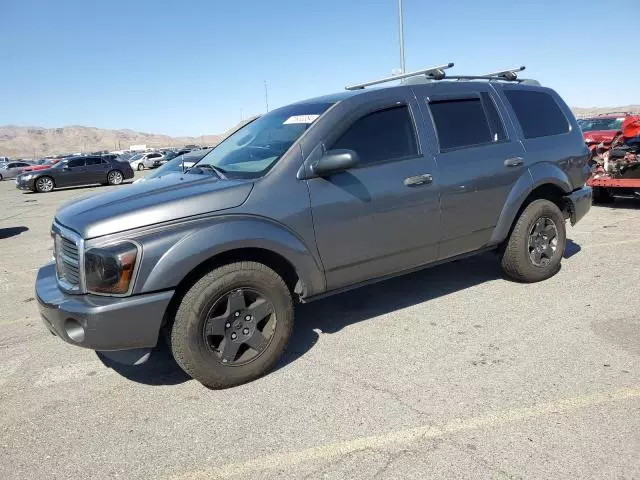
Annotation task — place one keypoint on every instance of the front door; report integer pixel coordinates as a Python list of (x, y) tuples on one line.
[(382, 216), (479, 160), (72, 172)]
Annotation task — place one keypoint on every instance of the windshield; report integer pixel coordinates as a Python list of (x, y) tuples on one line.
[(137, 156), (255, 148), (592, 124)]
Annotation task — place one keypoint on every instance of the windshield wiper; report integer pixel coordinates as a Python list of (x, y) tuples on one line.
[(220, 173)]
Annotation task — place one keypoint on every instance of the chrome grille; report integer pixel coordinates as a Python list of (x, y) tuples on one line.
[(68, 256)]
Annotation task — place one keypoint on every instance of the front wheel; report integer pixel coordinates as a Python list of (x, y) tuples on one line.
[(536, 244), (114, 177), (140, 167), (44, 184), (232, 325)]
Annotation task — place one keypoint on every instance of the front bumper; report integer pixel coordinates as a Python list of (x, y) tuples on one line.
[(100, 323), (24, 184), (578, 203)]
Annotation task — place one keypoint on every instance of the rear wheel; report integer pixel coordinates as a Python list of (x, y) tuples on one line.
[(602, 195), (232, 325), (536, 244), (44, 184), (114, 177), (1, 177)]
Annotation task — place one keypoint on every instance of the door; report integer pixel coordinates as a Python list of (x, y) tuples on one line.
[(71, 172), (479, 160), (382, 216), (97, 170)]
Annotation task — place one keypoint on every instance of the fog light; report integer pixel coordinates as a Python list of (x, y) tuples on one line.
[(74, 330)]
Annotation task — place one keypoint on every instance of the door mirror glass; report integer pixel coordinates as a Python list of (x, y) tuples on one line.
[(335, 161)]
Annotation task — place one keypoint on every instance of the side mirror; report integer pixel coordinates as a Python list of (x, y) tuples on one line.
[(335, 161)]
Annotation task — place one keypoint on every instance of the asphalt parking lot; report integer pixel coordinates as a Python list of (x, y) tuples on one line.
[(453, 372)]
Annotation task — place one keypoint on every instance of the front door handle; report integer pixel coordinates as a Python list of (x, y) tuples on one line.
[(418, 180), (514, 162)]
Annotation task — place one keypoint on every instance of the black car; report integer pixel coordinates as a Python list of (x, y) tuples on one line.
[(73, 171)]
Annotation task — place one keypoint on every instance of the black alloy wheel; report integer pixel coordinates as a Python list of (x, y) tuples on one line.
[(239, 326)]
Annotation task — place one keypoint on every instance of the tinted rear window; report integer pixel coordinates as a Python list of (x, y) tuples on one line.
[(460, 123), (538, 113)]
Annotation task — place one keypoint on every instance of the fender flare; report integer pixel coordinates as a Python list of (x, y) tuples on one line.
[(214, 239), (535, 176)]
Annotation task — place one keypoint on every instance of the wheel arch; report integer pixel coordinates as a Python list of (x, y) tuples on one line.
[(239, 239), (541, 181)]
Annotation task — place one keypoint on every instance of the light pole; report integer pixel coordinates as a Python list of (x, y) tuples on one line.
[(401, 34)]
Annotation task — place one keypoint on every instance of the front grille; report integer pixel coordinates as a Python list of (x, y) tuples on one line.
[(67, 256)]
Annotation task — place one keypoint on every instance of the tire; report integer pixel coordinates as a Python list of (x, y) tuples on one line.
[(115, 177), (519, 260), (202, 356), (602, 195), (140, 167), (1, 177), (44, 184)]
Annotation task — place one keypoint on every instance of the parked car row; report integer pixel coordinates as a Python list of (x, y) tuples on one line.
[(73, 171)]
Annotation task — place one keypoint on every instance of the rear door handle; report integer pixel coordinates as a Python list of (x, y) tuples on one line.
[(418, 180), (514, 162)]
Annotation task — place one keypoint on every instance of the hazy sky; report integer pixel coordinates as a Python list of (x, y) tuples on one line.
[(191, 67)]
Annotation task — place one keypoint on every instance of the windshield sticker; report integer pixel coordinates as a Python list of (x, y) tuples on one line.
[(300, 119)]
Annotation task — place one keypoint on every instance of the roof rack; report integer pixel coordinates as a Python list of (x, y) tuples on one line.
[(434, 73), (511, 74)]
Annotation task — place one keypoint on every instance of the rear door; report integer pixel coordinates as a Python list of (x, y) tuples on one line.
[(96, 170), (376, 219), (479, 159)]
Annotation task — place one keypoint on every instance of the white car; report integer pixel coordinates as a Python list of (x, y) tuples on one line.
[(141, 161)]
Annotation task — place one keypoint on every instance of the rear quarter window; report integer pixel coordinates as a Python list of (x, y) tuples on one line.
[(538, 113)]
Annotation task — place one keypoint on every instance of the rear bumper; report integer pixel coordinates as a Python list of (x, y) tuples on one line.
[(100, 323), (578, 203)]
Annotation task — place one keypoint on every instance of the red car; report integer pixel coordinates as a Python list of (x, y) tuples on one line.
[(47, 164), (602, 129)]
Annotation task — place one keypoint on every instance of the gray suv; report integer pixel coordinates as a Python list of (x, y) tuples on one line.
[(313, 199)]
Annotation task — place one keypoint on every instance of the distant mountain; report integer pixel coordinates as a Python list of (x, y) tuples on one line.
[(591, 111), (30, 142)]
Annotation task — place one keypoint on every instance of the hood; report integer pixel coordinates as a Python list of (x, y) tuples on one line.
[(167, 198), (600, 135)]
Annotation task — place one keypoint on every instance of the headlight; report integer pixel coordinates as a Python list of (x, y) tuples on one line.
[(110, 270), (589, 140), (26, 176)]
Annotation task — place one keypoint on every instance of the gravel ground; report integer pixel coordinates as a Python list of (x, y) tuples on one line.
[(453, 372)]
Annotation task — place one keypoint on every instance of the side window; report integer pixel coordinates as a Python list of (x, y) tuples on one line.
[(76, 162), (538, 113), (12, 165), (93, 161), (380, 136), (495, 123), (460, 123)]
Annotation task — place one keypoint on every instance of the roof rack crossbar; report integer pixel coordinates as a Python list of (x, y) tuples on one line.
[(511, 74), (437, 73), (482, 77)]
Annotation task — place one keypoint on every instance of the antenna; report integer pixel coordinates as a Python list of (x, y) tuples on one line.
[(436, 73), (511, 74), (266, 96)]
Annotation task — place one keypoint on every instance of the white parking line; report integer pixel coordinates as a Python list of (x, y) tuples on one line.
[(406, 436)]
